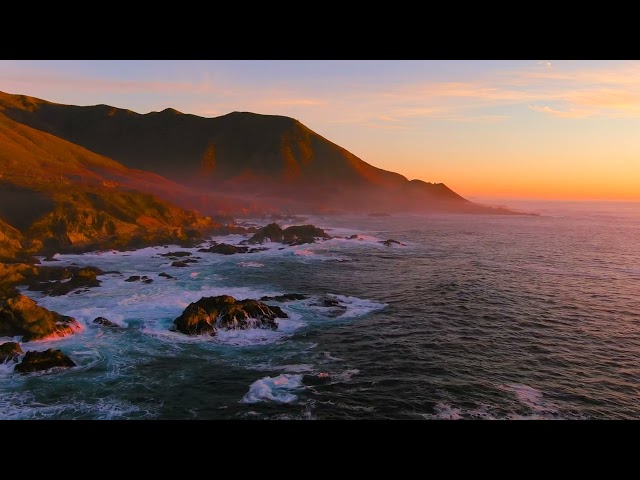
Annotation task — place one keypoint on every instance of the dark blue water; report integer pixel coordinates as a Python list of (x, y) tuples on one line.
[(476, 317)]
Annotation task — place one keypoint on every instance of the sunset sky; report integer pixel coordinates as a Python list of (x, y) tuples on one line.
[(534, 128)]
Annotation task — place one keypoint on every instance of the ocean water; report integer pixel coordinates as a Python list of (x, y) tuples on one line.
[(476, 317)]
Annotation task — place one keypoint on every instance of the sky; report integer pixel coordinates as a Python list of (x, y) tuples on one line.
[(505, 129)]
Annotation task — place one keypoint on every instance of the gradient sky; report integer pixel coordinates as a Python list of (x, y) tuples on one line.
[(530, 129)]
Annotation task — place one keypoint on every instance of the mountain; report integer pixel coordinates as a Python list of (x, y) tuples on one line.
[(57, 196), (239, 163)]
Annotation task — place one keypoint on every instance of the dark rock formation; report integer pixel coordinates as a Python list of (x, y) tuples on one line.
[(14, 274), (278, 311), (56, 281), (166, 275), (225, 249), (209, 314), (133, 278), (301, 234), (10, 351), (287, 297), (19, 315), (335, 308), (353, 237), (178, 264), (272, 231), (106, 323), (176, 254), (294, 235), (51, 259), (37, 361), (388, 243)]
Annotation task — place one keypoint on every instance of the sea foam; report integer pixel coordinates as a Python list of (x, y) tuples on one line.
[(277, 389)]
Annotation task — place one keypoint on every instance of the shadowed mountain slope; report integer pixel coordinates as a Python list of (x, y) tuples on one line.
[(260, 161), (57, 196)]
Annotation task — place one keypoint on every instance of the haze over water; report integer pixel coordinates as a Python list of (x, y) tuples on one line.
[(476, 317)]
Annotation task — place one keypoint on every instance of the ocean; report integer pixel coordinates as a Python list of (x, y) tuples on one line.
[(474, 317)]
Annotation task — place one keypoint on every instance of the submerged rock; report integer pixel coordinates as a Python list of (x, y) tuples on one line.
[(19, 315), (287, 297), (37, 361), (106, 322), (166, 275), (10, 351), (353, 237), (178, 264), (225, 249), (176, 254), (209, 314), (334, 307), (388, 243), (133, 278)]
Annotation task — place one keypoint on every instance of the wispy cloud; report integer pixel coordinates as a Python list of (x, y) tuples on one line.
[(568, 90), (106, 86), (560, 89), (295, 102), (559, 113)]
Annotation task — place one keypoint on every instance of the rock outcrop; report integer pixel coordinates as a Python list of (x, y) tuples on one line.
[(19, 315), (273, 232), (300, 234), (56, 281), (390, 242), (224, 249), (209, 314), (105, 322), (287, 297), (294, 235), (13, 274), (10, 351), (38, 361)]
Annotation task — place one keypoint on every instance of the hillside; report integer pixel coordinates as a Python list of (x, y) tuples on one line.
[(57, 196), (258, 162)]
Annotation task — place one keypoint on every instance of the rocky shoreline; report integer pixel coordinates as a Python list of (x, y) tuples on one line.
[(21, 317)]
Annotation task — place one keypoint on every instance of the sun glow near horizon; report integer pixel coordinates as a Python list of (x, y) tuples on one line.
[(533, 129)]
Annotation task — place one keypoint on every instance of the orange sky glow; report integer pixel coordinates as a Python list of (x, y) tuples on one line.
[(528, 129)]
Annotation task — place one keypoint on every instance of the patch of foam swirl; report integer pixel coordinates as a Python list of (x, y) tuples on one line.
[(274, 389)]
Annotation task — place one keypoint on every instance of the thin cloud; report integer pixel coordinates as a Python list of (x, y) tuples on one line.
[(295, 102), (559, 113), (557, 88), (107, 86)]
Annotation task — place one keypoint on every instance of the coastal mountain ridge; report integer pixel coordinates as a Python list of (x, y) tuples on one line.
[(75, 178), (268, 162)]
